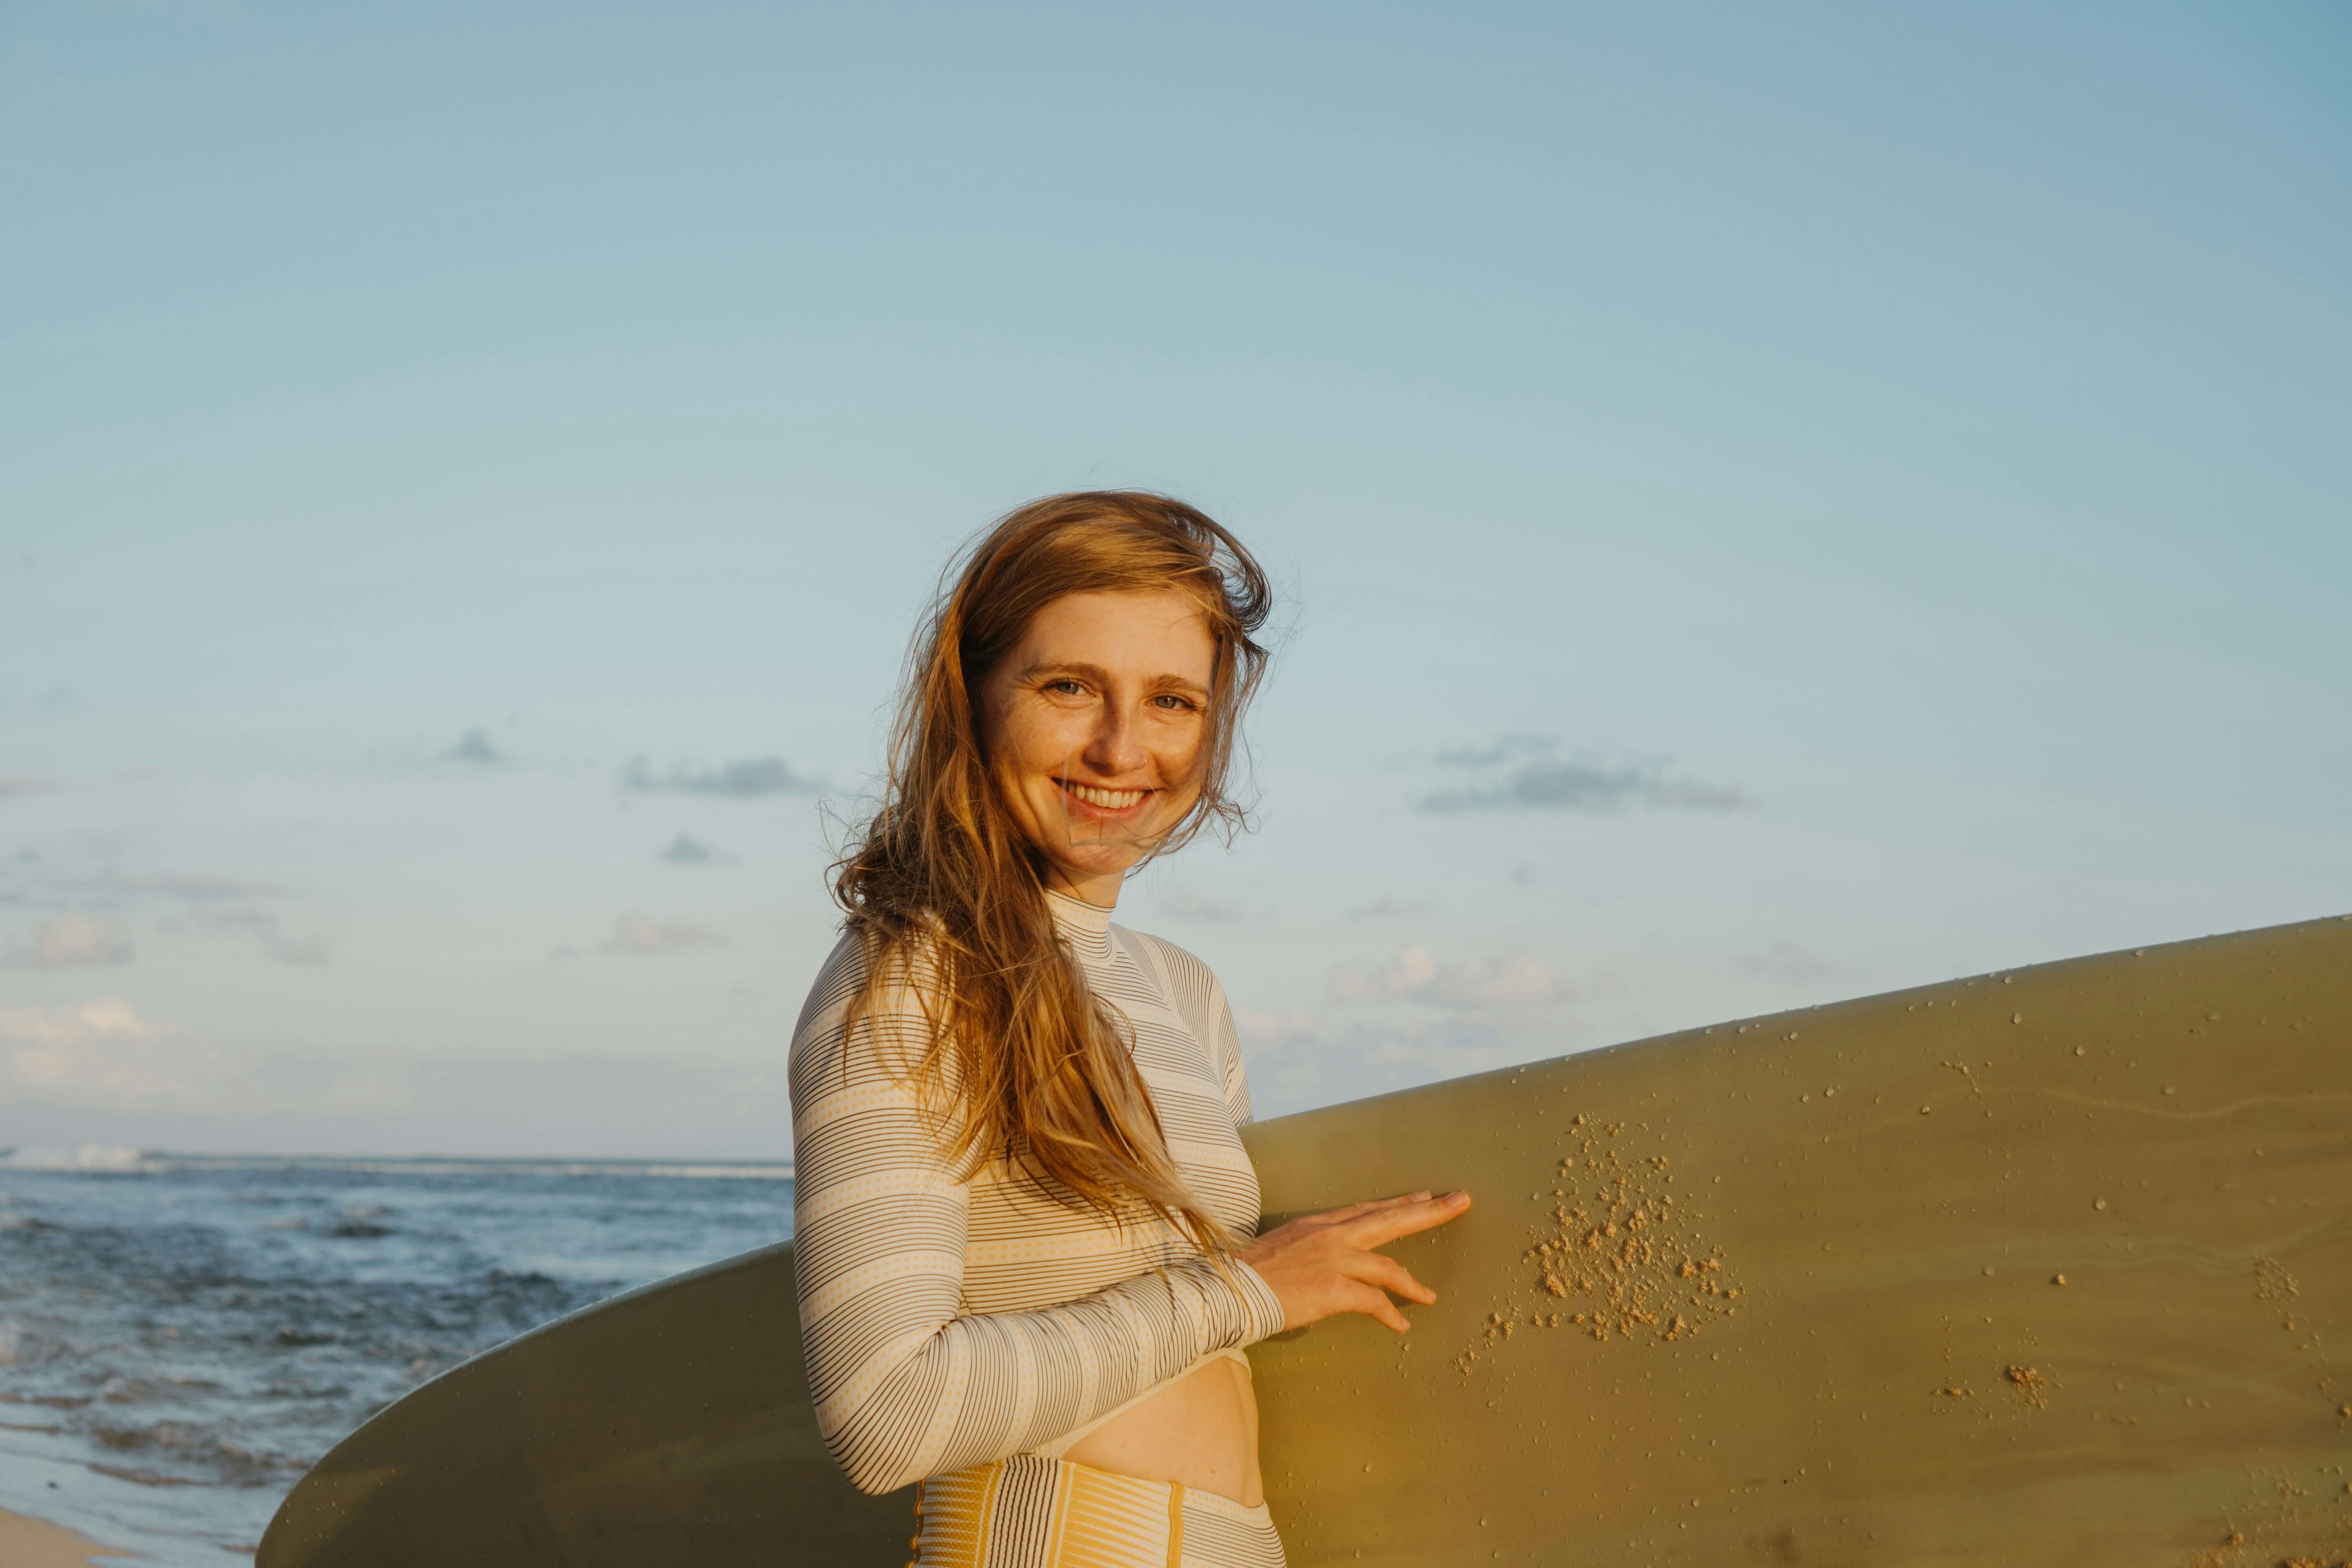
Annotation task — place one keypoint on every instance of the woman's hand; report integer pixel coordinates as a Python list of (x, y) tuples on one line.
[(1324, 1264)]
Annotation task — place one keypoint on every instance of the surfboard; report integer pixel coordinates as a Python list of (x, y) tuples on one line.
[(2050, 1266)]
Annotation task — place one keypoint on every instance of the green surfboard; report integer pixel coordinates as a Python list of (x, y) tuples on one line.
[(2052, 1267)]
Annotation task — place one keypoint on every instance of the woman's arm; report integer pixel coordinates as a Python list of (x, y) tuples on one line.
[(904, 1388)]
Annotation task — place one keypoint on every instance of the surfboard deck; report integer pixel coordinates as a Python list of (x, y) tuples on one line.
[(1782, 1291)]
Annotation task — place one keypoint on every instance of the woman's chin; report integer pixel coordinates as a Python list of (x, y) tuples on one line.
[(1109, 841), (1090, 867), (1079, 864)]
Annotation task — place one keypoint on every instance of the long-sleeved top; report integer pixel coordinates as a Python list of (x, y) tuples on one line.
[(948, 1317)]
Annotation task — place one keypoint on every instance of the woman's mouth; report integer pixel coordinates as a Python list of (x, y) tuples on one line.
[(1104, 799)]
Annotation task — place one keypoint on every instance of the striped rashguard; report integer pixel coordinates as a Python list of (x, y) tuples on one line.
[(963, 1330)]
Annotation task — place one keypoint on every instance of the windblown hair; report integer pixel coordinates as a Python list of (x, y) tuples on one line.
[(945, 891)]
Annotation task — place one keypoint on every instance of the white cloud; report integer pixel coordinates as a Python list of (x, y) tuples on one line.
[(1412, 975), (1532, 773), (76, 1022), (33, 880), (99, 1050), (74, 942), (746, 778), (1256, 1025), (643, 934), (1193, 907), (105, 1056), (1386, 908), (306, 952), (1293, 1069)]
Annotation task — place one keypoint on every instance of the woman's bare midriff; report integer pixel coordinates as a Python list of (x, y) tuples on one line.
[(1201, 1430)]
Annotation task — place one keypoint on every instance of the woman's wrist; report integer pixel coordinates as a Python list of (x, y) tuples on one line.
[(1267, 1316)]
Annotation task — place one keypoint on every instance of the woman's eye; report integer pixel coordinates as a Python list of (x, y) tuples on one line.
[(1173, 703), (1064, 688)]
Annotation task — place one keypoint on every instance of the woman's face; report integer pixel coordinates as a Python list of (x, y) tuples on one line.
[(1094, 725)]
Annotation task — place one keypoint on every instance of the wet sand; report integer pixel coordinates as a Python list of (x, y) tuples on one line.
[(28, 1542)]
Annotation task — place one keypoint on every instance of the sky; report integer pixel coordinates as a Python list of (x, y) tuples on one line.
[(1770, 506)]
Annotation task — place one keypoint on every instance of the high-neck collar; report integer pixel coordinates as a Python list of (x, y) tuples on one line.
[(1084, 926)]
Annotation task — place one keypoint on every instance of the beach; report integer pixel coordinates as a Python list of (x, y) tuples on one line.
[(29, 1542)]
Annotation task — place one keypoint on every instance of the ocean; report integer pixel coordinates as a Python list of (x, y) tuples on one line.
[(181, 1336)]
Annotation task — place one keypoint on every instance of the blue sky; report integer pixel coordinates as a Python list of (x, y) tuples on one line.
[(1770, 508)]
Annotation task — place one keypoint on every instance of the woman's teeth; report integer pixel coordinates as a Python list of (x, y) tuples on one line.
[(1109, 799)]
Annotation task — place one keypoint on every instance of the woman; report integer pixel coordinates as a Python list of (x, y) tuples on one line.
[(1026, 1224)]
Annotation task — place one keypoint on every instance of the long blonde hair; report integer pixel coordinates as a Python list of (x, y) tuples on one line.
[(942, 872)]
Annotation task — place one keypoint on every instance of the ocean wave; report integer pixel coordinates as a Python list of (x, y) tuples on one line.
[(98, 1157), (194, 1447), (104, 1157), (287, 1334), (23, 1345), (202, 1328), (120, 1388), (143, 1478)]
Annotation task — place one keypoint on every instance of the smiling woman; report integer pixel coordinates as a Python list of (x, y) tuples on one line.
[(1027, 1255)]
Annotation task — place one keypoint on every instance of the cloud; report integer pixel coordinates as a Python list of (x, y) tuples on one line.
[(76, 1022), (685, 851), (36, 885), (637, 933), (1413, 975), (474, 746), (1293, 1065), (307, 951), (74, 942), (1385, 908), (1785, 960), (102, 1050), (1531, 773), (1268, 1026), (105, 1056), (201, 890), (1192, 906), (22, 783), (744, 778)]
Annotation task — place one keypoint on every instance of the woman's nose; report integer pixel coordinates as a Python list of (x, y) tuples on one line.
[(1117, 746)]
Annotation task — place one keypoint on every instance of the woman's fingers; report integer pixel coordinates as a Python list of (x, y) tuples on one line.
[(1325, 1264), (1378, 1269), (1374, 1303), (1339, 1216), (1407, 1217), (1395, 1278), (1348, 1212)]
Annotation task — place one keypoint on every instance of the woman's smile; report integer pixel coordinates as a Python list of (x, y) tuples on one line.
[(1097, 801)]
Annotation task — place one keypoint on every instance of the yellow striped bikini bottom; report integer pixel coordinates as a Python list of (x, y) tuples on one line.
[(1031, 1511)]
